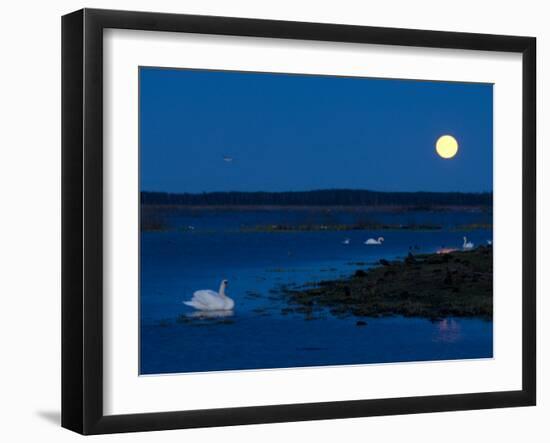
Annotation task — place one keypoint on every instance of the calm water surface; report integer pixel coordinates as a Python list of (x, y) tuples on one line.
[(258, 334)]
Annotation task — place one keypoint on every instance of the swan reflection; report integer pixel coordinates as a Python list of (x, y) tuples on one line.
[(448, 330), (211, 314)]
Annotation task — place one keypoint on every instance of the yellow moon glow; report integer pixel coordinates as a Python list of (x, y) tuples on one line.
[(446, 146)]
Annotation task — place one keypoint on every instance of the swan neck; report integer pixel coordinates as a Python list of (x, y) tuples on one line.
[(222, 289)]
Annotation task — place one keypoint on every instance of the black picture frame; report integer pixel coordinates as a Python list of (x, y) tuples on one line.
[(82, 221)]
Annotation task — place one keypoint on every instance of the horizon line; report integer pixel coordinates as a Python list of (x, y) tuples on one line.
[(316, 190)]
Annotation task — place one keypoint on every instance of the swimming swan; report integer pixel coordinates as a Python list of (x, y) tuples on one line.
[(467, 244), (208, 300), (372, 241), (346, 241)]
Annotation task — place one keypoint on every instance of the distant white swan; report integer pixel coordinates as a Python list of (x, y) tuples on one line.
[(372, 241), (208, 300), (467, 244), (490, 242), (346, 241)]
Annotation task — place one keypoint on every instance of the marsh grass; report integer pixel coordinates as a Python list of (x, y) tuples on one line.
[(341, 227)]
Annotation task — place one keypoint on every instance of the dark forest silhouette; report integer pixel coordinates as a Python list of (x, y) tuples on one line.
[(327, 197)]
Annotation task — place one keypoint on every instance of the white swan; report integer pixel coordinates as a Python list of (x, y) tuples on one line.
[(208, 300), (467, 244), (346, 241), (490, 242), (372, 241)]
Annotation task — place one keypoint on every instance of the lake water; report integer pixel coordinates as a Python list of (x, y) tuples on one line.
[(215, 245)]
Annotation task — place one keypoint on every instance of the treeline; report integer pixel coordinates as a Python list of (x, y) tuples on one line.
[(328, 197)]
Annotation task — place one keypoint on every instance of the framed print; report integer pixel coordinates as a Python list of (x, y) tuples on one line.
[(269, 221)]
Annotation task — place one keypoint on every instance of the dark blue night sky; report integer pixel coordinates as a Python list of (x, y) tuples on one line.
[(295, 132)]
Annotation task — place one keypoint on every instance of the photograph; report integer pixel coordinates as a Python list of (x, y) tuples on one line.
[(293, 220)]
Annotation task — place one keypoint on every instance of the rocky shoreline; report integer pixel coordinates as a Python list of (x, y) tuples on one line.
[(434, 286)]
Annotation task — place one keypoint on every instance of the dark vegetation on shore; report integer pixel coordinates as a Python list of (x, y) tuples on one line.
[(364, 226), (434, 286), (324, 197), (151, 222)]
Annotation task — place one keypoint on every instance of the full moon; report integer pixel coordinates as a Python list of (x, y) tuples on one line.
[(446, 146)]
